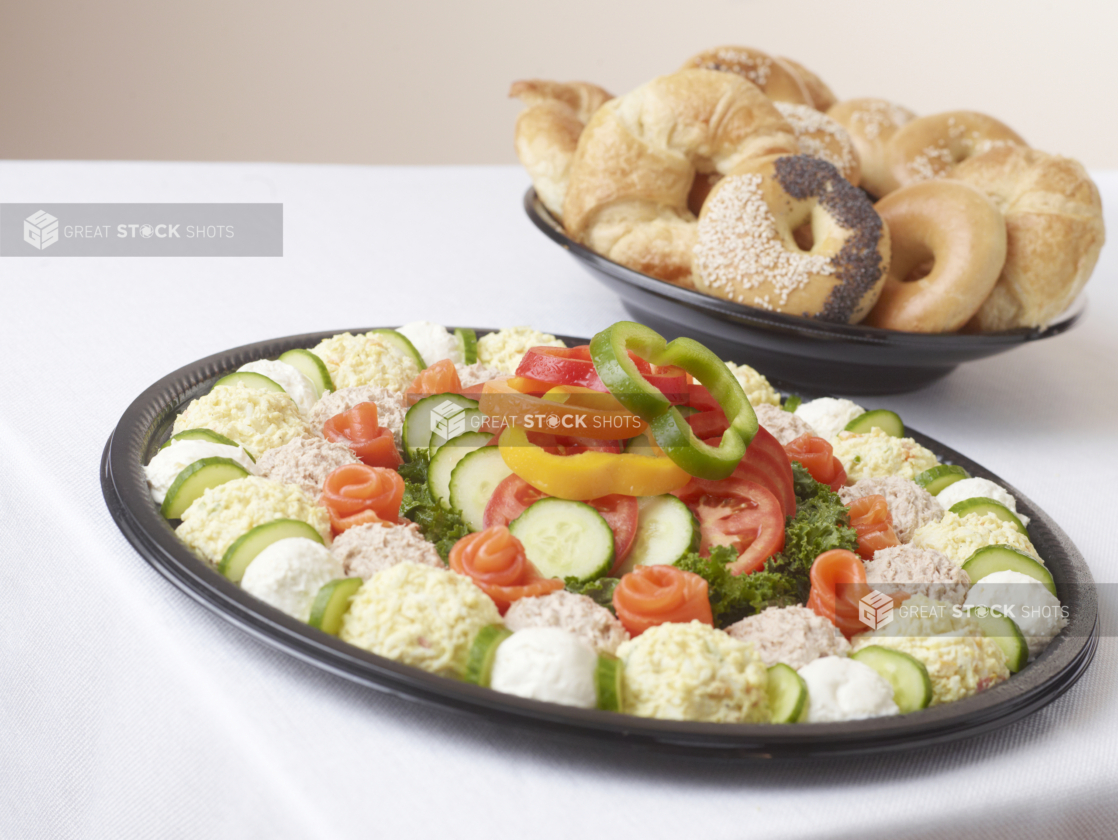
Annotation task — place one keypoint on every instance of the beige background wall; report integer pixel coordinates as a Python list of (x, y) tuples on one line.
[(425, 82)]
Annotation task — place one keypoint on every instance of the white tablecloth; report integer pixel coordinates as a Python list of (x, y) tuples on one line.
[(128, 710)]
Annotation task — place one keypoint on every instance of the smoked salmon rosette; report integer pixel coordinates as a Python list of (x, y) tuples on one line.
[(360, 430), (652, 595), (440, 378), (357, 494), (870, 517), (838, 583), (817, 457), (495, 560)]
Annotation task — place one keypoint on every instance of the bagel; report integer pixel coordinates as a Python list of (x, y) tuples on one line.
[(822, 137), (747, 247), (638, 157), (547, 132), (930, 147), (821, 96), (776, 79), (1054, 230), (871, 123), (956, 229)]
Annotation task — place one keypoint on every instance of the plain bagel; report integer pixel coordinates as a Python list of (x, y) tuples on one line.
[(640, 153), (951, 234), (747, 247), (1054, 228)]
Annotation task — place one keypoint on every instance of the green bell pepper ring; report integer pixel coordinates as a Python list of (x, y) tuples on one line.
[(609, 350)]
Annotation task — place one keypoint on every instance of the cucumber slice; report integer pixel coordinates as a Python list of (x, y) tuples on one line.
[(456, 425), (331, 603), (473, 481), (982, 505), (479, 662), (888, 421), (400, 344), (642, 444), (1002, 558), (247, 546), (467, 339), (607, 677), (312, 367), (787, 694), (565, 539), (666, 531), (912, 687), (441, 410), (446, 459), (195, 480), (940, 476), (1004, 632), (250, 380), (792, 403), (206, 435)]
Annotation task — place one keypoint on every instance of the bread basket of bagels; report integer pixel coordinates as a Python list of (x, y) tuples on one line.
[(743, 179)]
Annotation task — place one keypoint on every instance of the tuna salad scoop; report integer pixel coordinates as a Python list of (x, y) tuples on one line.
[(475, 374), (368, 549), (917, 571), (782, 425), (792, 635), (909, 503), (576, 614), (391, 407), (546, 663), (305, 462)]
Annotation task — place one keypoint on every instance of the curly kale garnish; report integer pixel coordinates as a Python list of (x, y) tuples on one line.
[(733, 597), (437, 524), (599, 590), (821, 523)]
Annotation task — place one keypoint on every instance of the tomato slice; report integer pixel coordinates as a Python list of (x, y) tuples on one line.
[(870, 517), (359, 430), (739, 513), (817, 457), (510, 498), (514, 495), (708, 424), (766, 463), (573, 366)]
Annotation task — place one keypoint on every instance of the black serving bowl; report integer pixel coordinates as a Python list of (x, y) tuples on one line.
[(795, 353), (146, 424)]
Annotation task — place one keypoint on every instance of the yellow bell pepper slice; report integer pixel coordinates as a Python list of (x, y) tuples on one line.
[(588, 475)]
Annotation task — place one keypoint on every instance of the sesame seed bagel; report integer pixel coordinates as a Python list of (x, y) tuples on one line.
[(961, 233), (822, 137), (776, 79), (821, 96), (639, 154), (1054, 229), (871, 124), (747, 247), (930, 147), (547, 132)]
